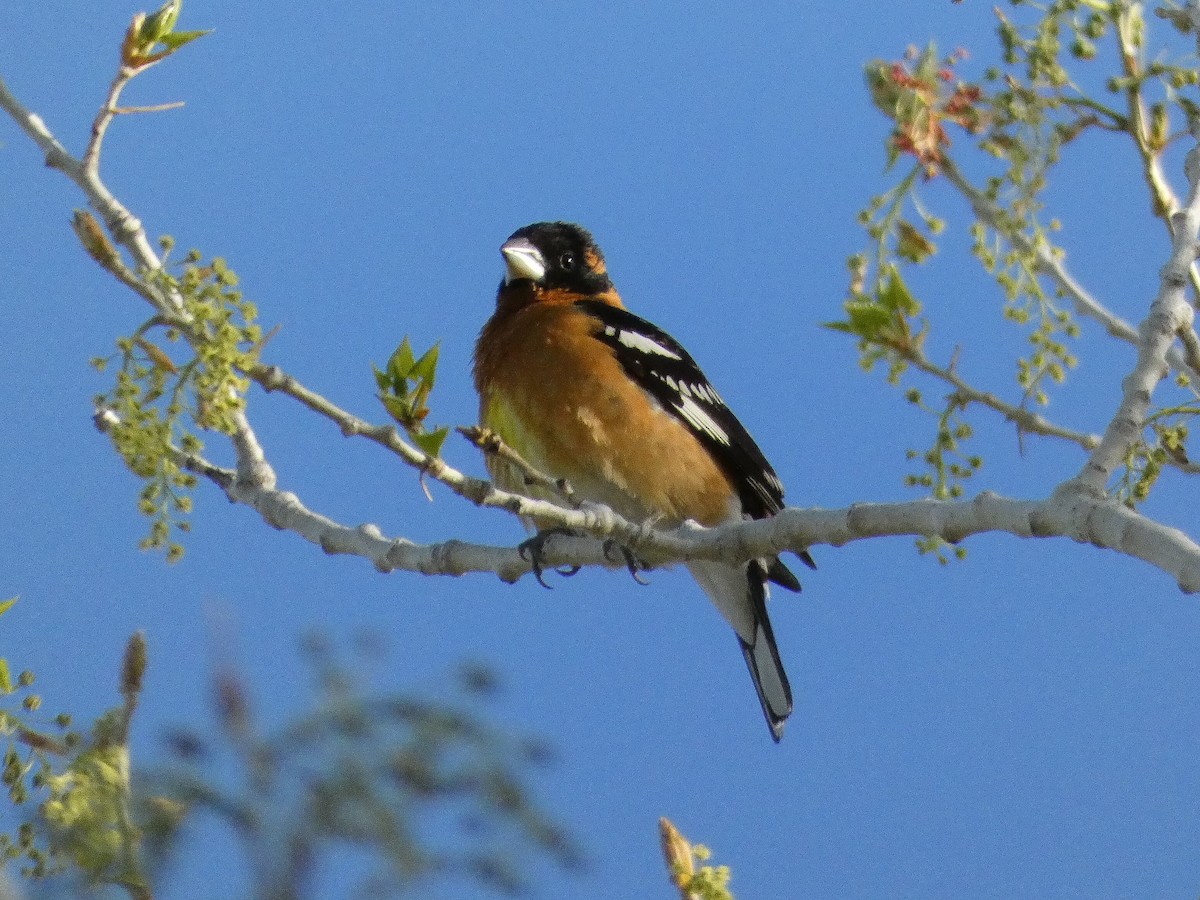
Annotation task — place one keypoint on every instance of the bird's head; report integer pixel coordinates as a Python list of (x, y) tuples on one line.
[(553, 257)]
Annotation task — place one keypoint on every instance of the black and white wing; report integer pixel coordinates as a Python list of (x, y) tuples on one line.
[(666, 371), (660, 365)]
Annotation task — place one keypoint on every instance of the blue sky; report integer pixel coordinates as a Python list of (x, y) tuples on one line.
[(1023, 723)]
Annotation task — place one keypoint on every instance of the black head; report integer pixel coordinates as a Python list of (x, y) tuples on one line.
[(555, 255)]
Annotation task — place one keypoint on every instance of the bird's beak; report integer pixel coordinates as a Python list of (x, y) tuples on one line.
[(522, 260)]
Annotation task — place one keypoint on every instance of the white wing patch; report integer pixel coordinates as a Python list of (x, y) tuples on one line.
[(699, 419), (640, 342), (688, 408), (706, 393), (698, 389)]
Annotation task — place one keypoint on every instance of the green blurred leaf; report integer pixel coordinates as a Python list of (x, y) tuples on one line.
[(6, 683), (382, 380), (838, 326), (431, 441), (177, 39), (911, 244), (426, 367), (6, 605), (895, 295), (158, 25), (867, 318), (401, 362), (399, 408)]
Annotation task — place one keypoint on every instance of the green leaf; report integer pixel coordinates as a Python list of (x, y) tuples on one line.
[(844, 327), (158, 25), (867, 319), (399, 408), (6, 684), (426, 367), (895, 295), (401, 362), (6, 605), (431, 441), (177, 39), (911, 244), (382, 380)]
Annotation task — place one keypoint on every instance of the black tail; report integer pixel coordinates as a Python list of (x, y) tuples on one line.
[(762, 658), (740, 593)]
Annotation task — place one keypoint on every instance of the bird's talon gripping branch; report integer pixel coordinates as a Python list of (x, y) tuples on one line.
[(632, 563), (534, 551)]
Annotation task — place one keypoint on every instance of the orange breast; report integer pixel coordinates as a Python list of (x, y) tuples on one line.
[(560, 397)]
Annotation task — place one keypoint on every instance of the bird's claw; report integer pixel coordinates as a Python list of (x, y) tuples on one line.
[(533, 550), (632, 563)]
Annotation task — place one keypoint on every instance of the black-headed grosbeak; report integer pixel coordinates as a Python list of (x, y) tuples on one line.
[(585, 390)]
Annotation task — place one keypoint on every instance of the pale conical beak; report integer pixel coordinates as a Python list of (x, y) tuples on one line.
[(522, 260)]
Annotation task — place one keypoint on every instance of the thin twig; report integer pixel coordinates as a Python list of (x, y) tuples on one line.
[(491, 444), (1025, 420), (1051, 264), (125, 228), (158, 107), (91, 155)]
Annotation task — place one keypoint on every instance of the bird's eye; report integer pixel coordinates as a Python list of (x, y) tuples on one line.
[(567, 261)]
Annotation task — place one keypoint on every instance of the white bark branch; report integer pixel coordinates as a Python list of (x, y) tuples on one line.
[(1169, 314), (129, 232), (1068, 513)]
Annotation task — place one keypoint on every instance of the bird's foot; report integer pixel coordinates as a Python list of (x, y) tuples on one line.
[(632, 563), (534, 551)]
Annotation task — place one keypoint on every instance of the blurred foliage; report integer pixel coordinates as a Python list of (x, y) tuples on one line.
[(72, 793), (1066, 70), (31, 750), (424, 789)]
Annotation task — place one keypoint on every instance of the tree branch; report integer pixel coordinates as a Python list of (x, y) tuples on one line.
[(1083, 518), (1169, 315), (1051, 264), (990, 213), (1164, 203), (1025, 420), (125, 228), (1067, 513)]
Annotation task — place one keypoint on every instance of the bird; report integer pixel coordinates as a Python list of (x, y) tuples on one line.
[(590, 393)]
